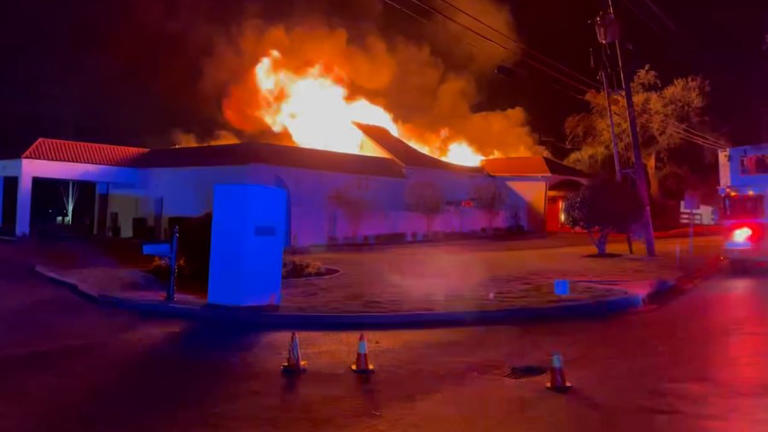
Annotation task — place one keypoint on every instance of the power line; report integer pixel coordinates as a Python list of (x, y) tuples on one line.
[(686, 135), (664, 18), (693, 137), (536, 64), (642, 16), (391, 3), (690, 133), (522, 45), (592, 83), (501, 45), (700, 134)]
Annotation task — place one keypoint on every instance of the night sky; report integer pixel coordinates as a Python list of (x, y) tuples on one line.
[(129, 72)]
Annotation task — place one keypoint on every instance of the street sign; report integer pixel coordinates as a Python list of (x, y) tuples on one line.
[(692, 201), (156, 249)]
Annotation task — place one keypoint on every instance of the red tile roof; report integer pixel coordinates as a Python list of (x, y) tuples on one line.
[(82, 152)]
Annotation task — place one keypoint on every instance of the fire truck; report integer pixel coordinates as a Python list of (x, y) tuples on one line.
[(743, 186)]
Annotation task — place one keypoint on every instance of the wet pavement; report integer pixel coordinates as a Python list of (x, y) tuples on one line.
[(696, 363)]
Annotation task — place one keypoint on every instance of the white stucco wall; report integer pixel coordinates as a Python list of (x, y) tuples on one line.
[(533, 193), (380, 206), (188, 192)]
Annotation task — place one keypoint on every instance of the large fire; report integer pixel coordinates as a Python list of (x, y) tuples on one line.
[(318, 112)]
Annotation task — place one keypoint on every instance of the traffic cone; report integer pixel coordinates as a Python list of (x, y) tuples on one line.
[(557, 380), (294, 364), (361, 364)]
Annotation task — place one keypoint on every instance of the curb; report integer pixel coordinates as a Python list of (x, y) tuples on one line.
[(332, 275), (71, 285), (277, 320), (665, 290)]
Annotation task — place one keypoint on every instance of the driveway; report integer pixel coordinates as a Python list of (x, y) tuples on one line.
[(696, 363)]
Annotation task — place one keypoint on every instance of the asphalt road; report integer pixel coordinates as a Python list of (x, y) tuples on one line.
[(696, 363)]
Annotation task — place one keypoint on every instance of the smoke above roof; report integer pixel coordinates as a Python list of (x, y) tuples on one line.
[(426, 72)]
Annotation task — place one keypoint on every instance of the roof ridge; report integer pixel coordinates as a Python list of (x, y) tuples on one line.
[(88, 143), (407, 155)]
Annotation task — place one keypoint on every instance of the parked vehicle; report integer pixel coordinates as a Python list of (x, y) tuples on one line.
[(743, 185)]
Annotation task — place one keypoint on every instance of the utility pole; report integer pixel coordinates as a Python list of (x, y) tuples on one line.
[(604, 70), (607, 29), (606, 92)]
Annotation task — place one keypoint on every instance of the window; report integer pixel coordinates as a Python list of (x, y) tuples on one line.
[(754, 164), (743, 207)]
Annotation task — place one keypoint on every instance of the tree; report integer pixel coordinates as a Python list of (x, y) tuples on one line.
[(490, 197), (602, 207), (69, 195), (663, 113), (425, 197)]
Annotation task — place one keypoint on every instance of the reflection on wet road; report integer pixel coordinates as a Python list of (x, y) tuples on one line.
[(697, 363)]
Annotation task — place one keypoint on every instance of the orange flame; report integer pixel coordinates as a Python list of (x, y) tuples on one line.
[(462, 154), (318, 112)]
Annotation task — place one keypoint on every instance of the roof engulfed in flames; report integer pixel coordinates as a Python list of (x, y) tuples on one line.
[(318, 112)]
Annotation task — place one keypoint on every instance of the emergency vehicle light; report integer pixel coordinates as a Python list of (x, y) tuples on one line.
[(741, 235)]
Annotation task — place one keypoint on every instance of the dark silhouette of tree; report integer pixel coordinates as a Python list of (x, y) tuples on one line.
[(427, 198), (491, 197), (603, 207), (353, 206)]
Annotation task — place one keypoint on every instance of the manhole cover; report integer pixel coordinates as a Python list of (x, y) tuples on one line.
[(528, 371)]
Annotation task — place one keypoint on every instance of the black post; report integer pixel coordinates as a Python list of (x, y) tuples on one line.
[(171, 294)]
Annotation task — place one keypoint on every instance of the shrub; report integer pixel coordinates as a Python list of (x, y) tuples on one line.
[(602, 207), (297, 268), (161, 268)]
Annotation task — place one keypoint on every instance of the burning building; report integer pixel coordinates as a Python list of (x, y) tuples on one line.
[(375, 137), (401, 193)]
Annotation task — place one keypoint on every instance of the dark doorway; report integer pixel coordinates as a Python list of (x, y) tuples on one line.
[(101, 217), (49, 207), (10, 191)]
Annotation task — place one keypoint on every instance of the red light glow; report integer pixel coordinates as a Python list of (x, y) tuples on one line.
[(741, 235)]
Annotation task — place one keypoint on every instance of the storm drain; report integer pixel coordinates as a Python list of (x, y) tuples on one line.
[(527, 371)]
